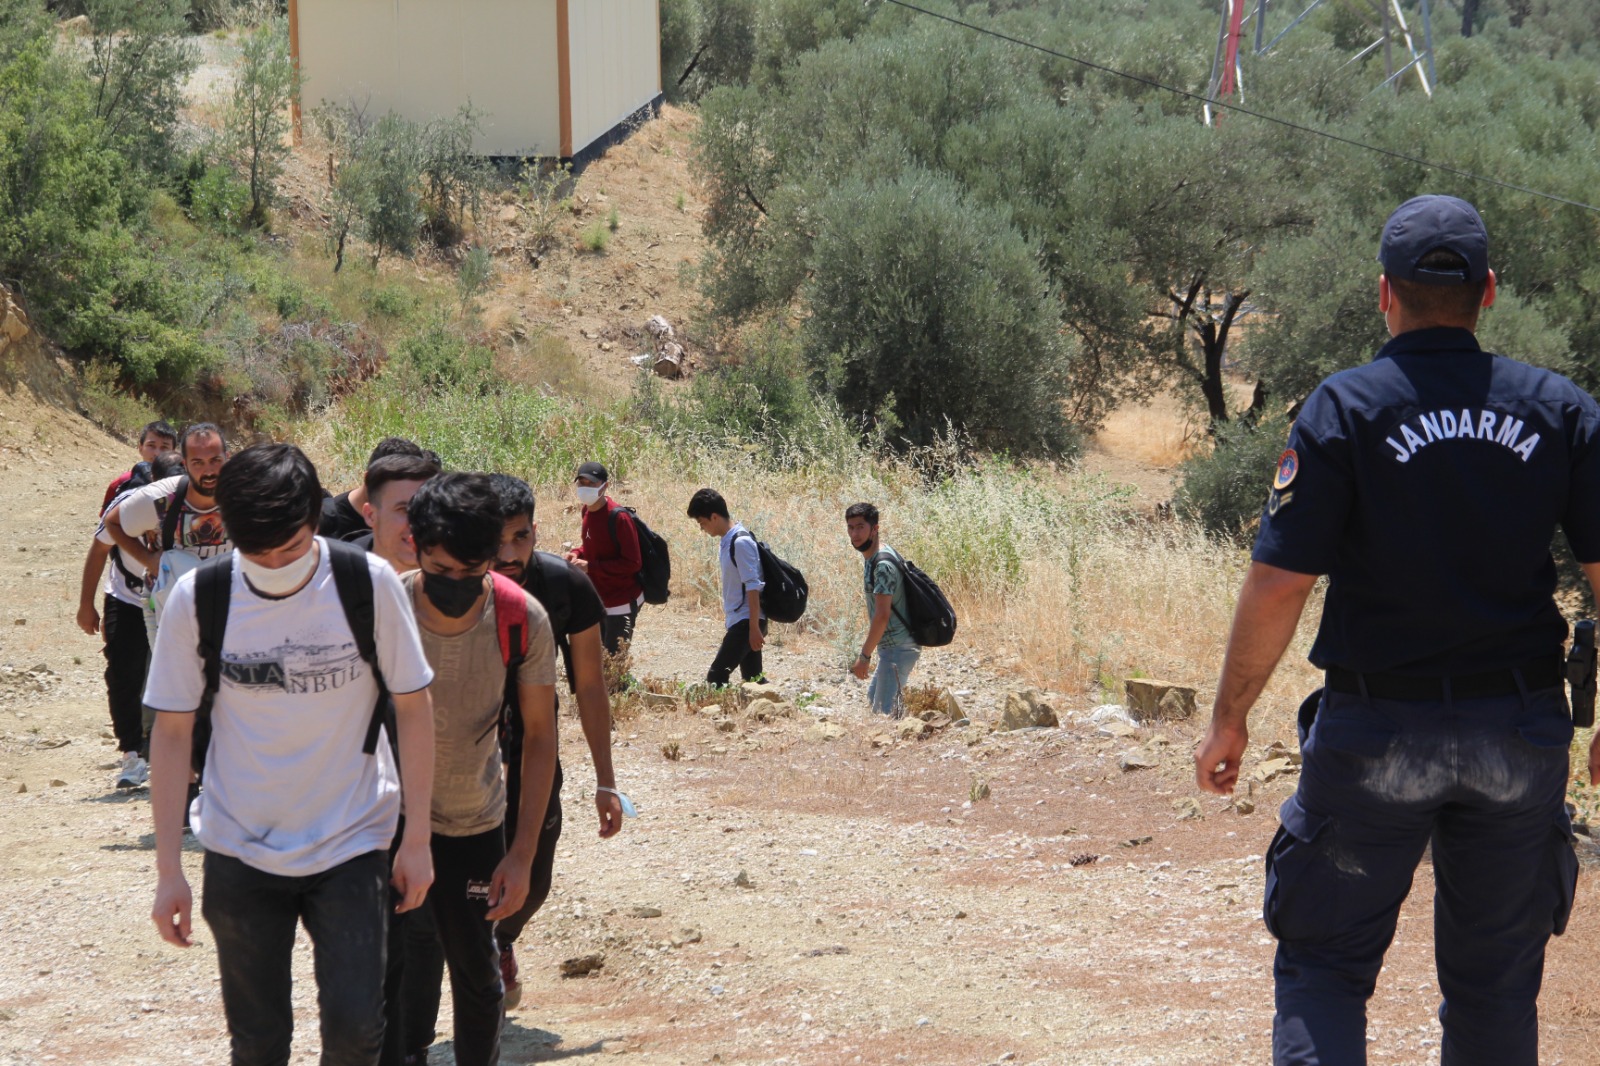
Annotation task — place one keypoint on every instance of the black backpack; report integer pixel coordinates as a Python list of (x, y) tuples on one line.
[(784, 597), (213, 587), (173, 516), (545, 579), (928, 615), (655, 570)]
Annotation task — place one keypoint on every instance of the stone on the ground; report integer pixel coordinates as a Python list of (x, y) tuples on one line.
[(56, 782), (644, 912), (1271, 769), (1188, 809), (912, 728), (661, 701), (1026, 709), (1110, 712), (1279, 750), (950, 705), (742, 880), (825, 731), (22, 787), (583, 964), (686, 936), (1137, 760), (756, 691), (1244, 805), (1150, 699), (725, 725), (1117, 729), (767, 710)]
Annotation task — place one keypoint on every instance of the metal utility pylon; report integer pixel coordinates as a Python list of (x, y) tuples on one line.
[(1384, 17)]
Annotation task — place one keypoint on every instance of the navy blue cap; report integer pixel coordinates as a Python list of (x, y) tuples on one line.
[(1426, 224), (594, 472)]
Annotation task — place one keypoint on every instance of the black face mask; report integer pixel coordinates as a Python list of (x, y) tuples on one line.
[(453, 596), (863, 548)]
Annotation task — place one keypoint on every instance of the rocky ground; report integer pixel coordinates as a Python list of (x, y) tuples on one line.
[(805, 886)]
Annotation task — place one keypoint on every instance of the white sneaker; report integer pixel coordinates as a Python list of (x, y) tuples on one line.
[(134, 773)]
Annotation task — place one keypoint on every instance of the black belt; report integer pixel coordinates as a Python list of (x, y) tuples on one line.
[(1536, 674)]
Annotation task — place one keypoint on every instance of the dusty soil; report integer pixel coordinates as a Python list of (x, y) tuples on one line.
[(889, 917)]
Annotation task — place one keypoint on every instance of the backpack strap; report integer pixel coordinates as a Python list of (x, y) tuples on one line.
[(511, 626), (733, 556), (174, 516), (353, 580), (213, 587), (900, 566), (510, 619)]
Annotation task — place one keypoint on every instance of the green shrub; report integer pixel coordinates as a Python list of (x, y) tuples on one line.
[(390, 301), (1224, 489), (595, 236), (440, 358), (219, 200)]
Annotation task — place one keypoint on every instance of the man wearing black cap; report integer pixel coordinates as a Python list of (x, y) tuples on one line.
[(1427, 486), (609, 554)]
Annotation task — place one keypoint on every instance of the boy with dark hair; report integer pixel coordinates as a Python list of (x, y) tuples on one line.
[(298, 814), (343, 516), (465, 613), (390, 483), (156, 438), (887, 633), (741, 590), (610, 555)]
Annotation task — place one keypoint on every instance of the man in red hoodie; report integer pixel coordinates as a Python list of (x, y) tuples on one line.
[(610, 555)]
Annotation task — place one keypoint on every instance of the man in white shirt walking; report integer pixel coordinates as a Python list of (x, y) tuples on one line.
[(302, 799)]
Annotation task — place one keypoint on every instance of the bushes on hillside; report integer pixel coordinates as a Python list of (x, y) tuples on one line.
[(1224, 489), (929, 307)]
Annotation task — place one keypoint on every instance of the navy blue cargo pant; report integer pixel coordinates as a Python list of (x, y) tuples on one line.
[(1484, 780)]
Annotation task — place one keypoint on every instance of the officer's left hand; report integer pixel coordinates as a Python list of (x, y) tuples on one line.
[(1216, 761)]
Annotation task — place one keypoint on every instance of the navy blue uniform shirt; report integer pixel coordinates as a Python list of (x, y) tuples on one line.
[(1427, 485)]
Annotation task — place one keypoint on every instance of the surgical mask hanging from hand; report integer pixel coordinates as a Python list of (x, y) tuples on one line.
[(452, 596), (589, 495)]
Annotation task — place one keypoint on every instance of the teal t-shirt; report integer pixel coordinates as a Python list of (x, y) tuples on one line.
[(883, 578)]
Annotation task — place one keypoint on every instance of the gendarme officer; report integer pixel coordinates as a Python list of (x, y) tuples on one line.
[(1427, 485)]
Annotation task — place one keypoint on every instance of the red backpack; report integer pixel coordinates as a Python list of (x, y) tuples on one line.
[(511, 623)]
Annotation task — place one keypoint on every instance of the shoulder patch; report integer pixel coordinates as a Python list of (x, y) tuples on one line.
[(1288, 467)]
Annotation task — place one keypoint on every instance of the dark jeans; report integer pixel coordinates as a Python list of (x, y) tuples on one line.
[(616, 628), (424, 955), (451, 929), (127, 653), (253, 914), (1484, 780), (735, 651)]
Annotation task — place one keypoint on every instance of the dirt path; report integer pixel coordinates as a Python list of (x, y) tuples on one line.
[(889, 917)]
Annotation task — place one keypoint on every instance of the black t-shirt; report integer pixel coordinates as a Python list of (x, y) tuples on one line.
[(1427, 485), (340, 521), (568, 597)]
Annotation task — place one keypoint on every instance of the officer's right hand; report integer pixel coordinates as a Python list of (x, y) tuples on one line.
[(1594, 759), (1216, 761)]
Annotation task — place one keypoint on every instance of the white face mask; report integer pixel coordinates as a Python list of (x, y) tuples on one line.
[(588, 495), (282, 580)]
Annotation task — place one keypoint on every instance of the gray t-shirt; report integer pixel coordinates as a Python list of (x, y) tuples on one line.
[(883, 578), (469, 680), (288, 789)]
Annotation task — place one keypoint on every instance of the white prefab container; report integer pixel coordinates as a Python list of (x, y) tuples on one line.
[(552, 78)]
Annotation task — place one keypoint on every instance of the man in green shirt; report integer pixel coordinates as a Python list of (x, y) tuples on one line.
[(884, 585)]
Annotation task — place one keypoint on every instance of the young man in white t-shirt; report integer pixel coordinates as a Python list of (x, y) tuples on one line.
[(481, 877), (296, 819)]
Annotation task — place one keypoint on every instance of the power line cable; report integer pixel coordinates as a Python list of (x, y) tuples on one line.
[(1239, 109)]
